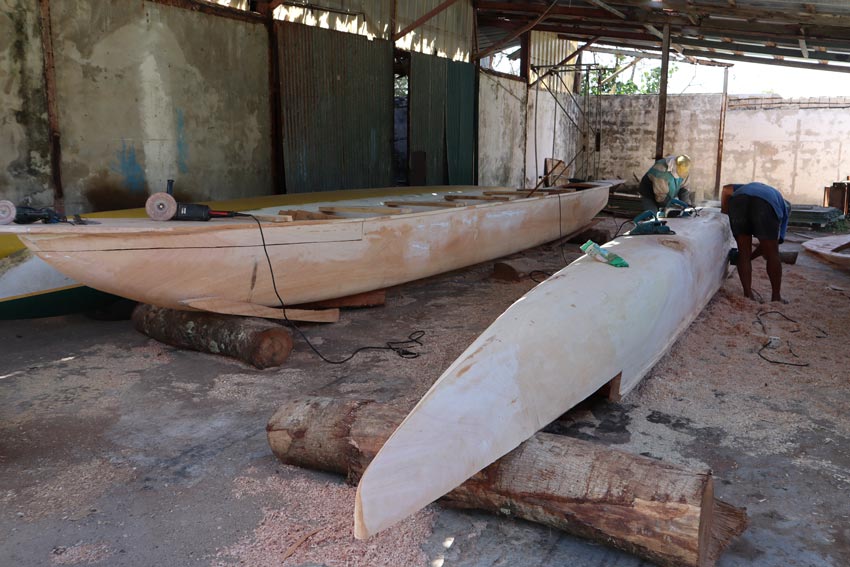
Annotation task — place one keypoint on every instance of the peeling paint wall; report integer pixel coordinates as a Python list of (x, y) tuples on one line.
[(797, 147), (24, 138), (628, 131), (148, 92), (501, 131), (551, 134)]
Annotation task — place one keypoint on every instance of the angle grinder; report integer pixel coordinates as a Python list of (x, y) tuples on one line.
[(163, 206), (9, 214)]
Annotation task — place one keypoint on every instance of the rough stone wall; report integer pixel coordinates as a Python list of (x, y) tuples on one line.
[(148, 92), (799, 147), (24, 138), (629, 126), (501, 131)]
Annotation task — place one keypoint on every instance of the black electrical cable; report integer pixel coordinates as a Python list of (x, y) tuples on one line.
[(401, 348)]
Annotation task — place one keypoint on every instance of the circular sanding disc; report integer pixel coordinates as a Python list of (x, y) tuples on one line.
[(7, 212), (161, 206)]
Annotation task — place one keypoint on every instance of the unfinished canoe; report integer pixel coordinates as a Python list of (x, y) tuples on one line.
[(833, 249), (557, 345), (199, 265)]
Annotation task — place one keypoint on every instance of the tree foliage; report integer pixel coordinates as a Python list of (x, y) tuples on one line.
[(625, 83)]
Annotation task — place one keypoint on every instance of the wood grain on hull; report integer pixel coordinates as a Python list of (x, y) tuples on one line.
[(168, 264), (550, 350)]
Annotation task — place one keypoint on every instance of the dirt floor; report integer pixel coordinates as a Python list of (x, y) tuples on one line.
[(117, 450)]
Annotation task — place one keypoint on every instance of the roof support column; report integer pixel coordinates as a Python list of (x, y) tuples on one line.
[(662, 95), (721, 133)]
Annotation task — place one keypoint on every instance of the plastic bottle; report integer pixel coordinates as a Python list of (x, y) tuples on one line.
[(596, 252)]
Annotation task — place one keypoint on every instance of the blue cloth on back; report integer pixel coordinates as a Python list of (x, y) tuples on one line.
[(772, 196)]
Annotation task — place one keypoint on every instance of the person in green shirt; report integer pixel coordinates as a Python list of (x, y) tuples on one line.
[(667, 179)]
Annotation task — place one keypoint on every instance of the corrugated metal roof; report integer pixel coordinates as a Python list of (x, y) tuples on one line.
[(810, 34)]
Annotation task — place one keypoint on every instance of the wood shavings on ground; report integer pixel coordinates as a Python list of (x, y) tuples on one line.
[(79, 554), (752, 403), (71, 492), (312, 523)]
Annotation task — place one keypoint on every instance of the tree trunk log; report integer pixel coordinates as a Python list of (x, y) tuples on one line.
[(651, 509), (257, 342)]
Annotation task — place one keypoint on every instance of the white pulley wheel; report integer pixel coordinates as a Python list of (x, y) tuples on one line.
[(8, 211), (161, 206)]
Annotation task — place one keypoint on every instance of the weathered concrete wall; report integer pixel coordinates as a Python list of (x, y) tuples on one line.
[(24, 138), (629, 128), (796, 147), (556, 136), (148, 92), (501, 131)]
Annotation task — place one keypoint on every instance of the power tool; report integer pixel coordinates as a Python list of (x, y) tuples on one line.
[(648, 223), (164, 207), (9, 214)]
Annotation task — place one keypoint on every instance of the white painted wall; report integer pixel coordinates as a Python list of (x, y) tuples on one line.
[(501, 131), (792, 145)]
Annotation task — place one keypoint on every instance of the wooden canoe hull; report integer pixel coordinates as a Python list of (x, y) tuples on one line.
[(833, 249), (554, 347), (171, 264)]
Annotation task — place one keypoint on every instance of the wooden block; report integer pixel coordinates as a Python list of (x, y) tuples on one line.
[(300, 215), (446, 204), (515, 270), (365, 299), (366, 210), (478, 198)]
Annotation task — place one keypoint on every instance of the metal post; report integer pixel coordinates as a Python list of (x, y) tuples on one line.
[(662, 95), (721, 133)]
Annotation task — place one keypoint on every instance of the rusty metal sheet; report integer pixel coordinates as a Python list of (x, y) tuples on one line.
[(337, 109)]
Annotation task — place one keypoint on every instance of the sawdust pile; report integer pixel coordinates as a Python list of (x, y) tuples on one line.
[(312, 523), (746, 368), (69, 492), (79, 554)]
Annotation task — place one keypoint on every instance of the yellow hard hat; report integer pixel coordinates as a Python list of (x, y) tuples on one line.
[(683, 165)]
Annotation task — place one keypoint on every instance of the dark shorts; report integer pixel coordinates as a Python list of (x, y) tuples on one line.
[(754, 216)]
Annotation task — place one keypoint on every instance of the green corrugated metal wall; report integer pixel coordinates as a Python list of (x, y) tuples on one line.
[(460, 123), (442, 118), (337, 109)]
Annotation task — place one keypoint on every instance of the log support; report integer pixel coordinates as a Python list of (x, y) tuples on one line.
[(654, 510), (258, 342)]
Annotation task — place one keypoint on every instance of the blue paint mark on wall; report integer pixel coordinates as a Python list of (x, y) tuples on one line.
[(129, 167), (182, 146)]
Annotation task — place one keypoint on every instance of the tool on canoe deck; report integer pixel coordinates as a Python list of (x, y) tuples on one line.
[(648, 223), (9, 214), (164, 207)]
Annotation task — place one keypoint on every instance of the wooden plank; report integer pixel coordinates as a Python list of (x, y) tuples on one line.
[(441, 204), (229, 307), (366, 210), (365, 299), (477, 198), (301, 215)]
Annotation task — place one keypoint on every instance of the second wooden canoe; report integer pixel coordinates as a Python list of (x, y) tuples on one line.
[(197, 265), (833, 249), (557, 345)]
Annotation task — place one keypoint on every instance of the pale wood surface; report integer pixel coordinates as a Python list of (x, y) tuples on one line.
[(655, 510), (833, 249), (366, 210), (170, 263), (550, 350)]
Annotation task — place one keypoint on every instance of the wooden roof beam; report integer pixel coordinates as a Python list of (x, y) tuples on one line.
[(422, 19), (517, 33)]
